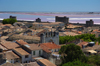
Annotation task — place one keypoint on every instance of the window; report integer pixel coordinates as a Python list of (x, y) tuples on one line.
[(11, 60), (26, 56), (52, 50), (55, 50), (33, 52), (39, 52)]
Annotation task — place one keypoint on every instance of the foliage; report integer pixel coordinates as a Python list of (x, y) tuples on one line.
[(76, 63), (9, 21), (85, 37), (94, 60), (98, 39), (72, 52)]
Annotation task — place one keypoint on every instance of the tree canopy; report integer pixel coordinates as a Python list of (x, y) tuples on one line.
[(94, 60), (76, 63), (9, 21), (85, 37), (72, 52)]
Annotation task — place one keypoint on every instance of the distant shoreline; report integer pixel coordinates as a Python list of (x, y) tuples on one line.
[(73, 18)]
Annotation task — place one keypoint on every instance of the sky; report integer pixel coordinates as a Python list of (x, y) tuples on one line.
[(50, 5)]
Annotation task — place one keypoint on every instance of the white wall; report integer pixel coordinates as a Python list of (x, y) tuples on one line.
[(26, 59), (36, 53), (23, 59)]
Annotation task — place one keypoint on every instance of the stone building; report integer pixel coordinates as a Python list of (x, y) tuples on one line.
[(38, 20), (89, 23), (50, 37), (12, 17), (62, 19)]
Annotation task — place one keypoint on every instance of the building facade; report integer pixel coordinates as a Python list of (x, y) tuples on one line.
[(50, 37), (62, 19), (89, 23)]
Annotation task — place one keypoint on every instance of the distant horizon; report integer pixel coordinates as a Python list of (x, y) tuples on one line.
[(50, 5)]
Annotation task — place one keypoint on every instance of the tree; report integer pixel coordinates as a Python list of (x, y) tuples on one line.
[(85, 37), (94, 60), (72, 52), (76, 63), (9, 21)]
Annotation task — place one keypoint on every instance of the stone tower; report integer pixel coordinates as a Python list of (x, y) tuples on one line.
[(62, 19), (89, 23), (38, 20), (50, 37)]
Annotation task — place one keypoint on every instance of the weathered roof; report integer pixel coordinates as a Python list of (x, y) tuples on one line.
[(9, 45), (70, 33), (8, 64), (2, 47), (95, 47), (46, 62), (82, 43), (21, 51), (31, 64), (11, 55), (49, 45), (24, 37), (91, 51), (21, 42), (33, 47)]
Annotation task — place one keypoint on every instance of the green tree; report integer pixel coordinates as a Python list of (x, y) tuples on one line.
[(72, 52), (85, 37), (76, 63), (94, 60), (9, 21)]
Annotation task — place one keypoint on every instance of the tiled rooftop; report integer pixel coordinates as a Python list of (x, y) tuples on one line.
[(33, 47), (21, 42), (11, 55), (9, 45), (50, 45), (21, 51), (46, 62)]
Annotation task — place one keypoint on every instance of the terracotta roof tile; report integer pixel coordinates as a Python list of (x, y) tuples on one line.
[(33, 47), (21, 51), (11, 55), (47, 46), (82, 43), (46, 62), (51, 45), (21, 42), (9, 45)]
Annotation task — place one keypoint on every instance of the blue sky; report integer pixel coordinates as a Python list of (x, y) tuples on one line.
[(50, 5)]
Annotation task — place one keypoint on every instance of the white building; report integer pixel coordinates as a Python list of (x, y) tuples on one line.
[(25, 56), (33, 49)]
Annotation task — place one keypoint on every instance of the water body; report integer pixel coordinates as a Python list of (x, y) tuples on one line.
[(73, 18)]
